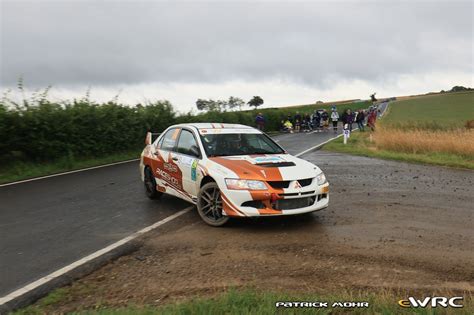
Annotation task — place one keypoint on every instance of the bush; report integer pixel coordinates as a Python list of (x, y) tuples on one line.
[(80, 129), (42, 131)]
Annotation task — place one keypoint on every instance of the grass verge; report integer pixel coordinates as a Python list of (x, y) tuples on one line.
[(360, 144), (26, 170), (251, 301)]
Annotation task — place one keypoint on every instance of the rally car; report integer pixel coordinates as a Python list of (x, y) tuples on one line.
[(230, 170)]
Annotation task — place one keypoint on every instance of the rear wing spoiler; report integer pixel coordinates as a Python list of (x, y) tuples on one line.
[(151, 136)]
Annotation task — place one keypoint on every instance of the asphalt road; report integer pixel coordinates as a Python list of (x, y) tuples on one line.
[(50, 223)]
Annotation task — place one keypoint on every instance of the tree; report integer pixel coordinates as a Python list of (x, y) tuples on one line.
[(372, 97), (220, 105), (235, 102), (201, 104), (459, 88), (256, 101), (210, 105)]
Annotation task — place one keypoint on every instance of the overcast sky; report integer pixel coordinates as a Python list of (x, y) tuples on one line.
[(286, 52)]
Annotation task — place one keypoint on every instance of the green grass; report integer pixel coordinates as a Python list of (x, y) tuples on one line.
[(25, 170), (251, 301), (433, 112), (442, 110), (359, 144)]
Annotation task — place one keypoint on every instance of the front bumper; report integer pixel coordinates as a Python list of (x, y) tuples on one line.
[(239, 203)]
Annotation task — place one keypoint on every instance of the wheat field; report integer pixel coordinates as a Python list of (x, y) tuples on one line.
[(460, 142)]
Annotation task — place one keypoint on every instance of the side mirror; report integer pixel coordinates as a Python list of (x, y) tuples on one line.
[(194, 151), (148, 138)]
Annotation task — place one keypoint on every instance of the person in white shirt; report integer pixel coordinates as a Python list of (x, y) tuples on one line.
[(334, 119)]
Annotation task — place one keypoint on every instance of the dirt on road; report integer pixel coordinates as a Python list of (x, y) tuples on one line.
[(390, 225)]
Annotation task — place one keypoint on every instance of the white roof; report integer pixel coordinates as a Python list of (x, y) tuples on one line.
[(217, 126), (221, 128)]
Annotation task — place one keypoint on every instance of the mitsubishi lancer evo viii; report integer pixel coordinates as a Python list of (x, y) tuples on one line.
[(230, 170)]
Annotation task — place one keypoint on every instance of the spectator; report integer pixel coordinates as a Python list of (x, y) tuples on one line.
[(360, 119), (297, 116), (260, 120), (334, 119), (297, 124), (288, 126), (348, 118), (371, 120), (316, 120), (290, 119), (306, 123), (282, 125), (325, 119)]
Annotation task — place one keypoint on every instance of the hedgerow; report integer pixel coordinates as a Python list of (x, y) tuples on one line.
[(46, 131)]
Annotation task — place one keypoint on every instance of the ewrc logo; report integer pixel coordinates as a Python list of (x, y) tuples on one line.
[(432, 301)]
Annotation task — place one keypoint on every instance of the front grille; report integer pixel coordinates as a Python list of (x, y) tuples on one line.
[(288, 204), (279, 164), (305, 182), (280, 184), (254, 204), (286, 183), (288, 194)]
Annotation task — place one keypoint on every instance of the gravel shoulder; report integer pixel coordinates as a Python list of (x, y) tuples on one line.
[(390, 225)]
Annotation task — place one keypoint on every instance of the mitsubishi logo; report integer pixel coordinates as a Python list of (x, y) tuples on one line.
[(297, 185)]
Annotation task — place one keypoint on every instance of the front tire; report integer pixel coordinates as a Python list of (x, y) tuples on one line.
[(150, 185), (209, 205)]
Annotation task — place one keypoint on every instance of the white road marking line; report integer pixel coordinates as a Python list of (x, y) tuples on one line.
[(65, 173), (321, 144), (33, 285)]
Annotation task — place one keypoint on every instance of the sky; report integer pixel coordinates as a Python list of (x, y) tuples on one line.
[(292, 52)]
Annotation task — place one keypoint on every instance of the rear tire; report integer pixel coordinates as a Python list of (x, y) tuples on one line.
[(209, 205), (150, 185)]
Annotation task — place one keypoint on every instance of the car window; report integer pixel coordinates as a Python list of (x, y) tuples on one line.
[(256, 142), (169, 140), (186, 142), (239, 144)]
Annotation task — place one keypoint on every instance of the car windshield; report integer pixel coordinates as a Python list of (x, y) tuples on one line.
[(239, 144)]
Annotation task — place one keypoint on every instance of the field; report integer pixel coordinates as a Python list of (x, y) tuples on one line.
[(449, 109), (428, 129)]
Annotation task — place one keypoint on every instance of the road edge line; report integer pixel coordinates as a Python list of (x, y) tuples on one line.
[(14, 299), (65, 173), (340, 135), (320, 145), (36, 289)]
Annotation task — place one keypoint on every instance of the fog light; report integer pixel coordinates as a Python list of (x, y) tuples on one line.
[(274, 197)]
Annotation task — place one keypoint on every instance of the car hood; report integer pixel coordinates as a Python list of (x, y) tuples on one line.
[(264, 167)]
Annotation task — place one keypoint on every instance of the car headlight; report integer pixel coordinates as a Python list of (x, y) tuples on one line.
[(245, 184), (321, 179)]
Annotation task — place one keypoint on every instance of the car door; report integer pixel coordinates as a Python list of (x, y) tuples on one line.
[(165, 166), (188, 153)]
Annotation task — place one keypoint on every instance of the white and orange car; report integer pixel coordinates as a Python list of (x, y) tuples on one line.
[(230, 170)]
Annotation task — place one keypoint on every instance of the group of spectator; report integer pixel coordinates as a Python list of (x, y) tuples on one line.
[(320, 120)]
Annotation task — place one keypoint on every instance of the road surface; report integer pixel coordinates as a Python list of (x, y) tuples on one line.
[(49, 223)]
